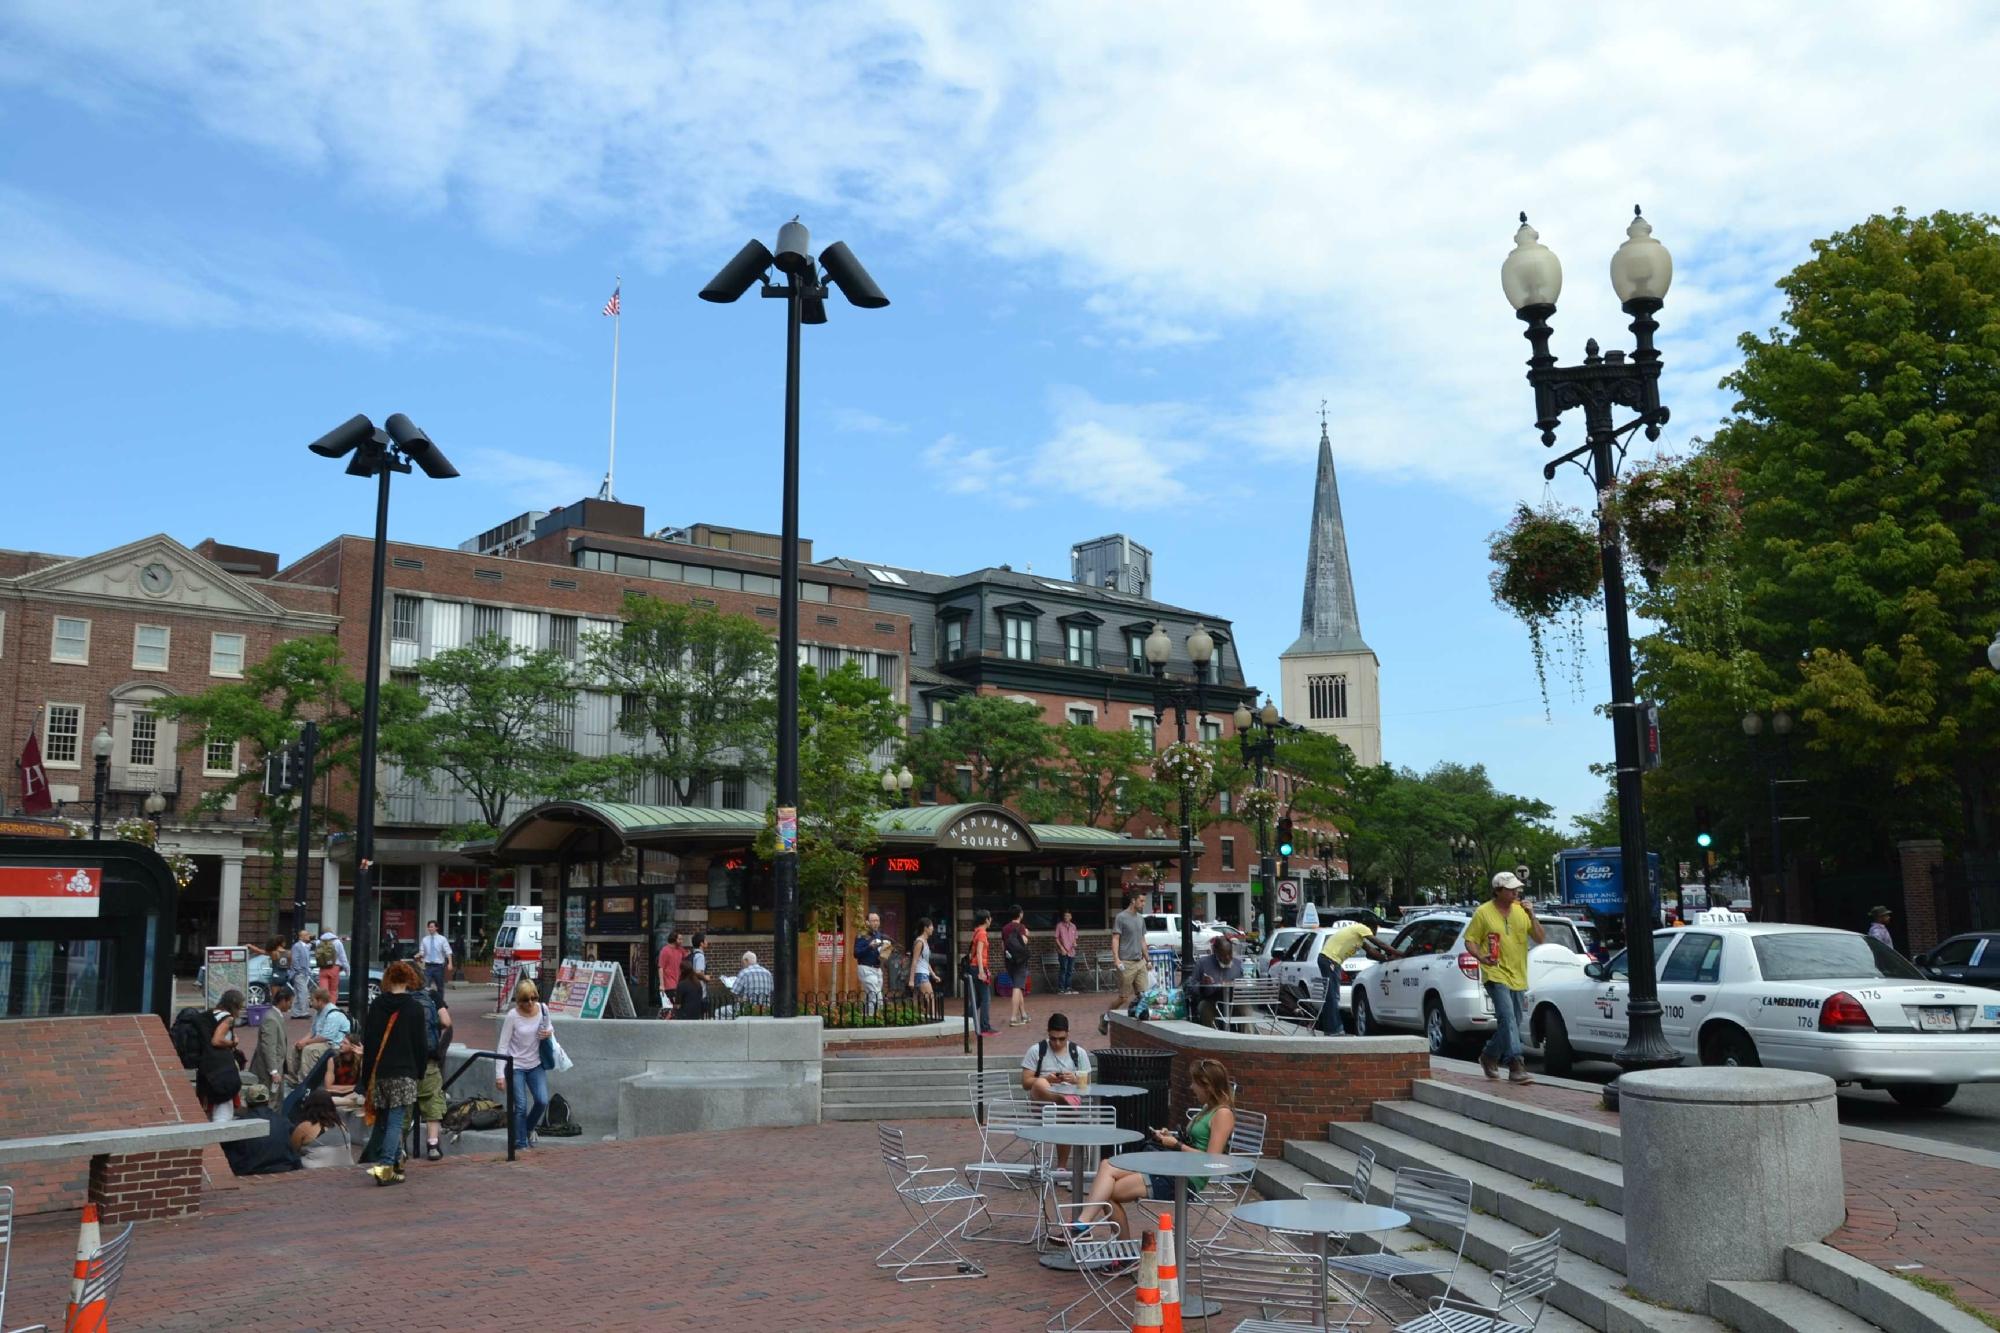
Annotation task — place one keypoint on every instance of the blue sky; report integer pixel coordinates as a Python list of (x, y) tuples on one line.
[(1130, 251)]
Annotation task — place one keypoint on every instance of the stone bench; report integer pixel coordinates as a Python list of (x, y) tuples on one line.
[(137, 1174), (660, 1103)]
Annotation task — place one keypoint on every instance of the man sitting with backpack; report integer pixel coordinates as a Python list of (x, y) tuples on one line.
[(1056, 1069)]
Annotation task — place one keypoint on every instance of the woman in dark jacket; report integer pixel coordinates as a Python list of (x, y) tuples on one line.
[(395, 1047)]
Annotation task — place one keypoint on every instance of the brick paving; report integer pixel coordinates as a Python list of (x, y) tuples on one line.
[(1902, 1207)]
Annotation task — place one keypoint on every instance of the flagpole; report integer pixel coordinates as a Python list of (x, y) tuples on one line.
[(617, 320)]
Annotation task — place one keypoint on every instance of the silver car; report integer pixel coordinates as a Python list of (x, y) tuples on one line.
[(1435, 988)]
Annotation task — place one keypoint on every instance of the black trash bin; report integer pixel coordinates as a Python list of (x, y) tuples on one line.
[(1141, 1067)]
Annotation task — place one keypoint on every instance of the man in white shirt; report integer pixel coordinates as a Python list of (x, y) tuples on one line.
[(1056, 1069), (435, 950)]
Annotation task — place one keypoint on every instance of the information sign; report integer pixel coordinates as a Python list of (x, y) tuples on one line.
[(227, 969)]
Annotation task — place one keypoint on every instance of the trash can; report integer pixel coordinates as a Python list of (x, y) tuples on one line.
[(1142, 1067)]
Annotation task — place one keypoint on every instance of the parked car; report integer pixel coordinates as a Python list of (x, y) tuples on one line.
[(1296, 969), (1832, 1002), (1163, 931), (1435, 988), (1973, 959)]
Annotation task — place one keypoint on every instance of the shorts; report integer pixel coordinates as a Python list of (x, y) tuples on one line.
[(1162, 1187), (1131, 981), (1017, 977), (430, 1093)]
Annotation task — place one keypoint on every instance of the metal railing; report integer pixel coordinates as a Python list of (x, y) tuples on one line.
[(507, 1077), (843, 1010)]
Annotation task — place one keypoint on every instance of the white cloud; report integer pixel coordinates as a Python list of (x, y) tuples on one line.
[(529, 481), (985, 472), (857, 422)]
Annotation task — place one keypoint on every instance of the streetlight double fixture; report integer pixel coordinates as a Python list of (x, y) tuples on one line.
[(1260, 751), (100, 751), (896, 784), (804, 295), (1461, 857), (1641, 272), (397, 447), (1177, 695)]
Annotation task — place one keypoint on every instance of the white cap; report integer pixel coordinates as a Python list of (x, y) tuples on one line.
[(1507, 879)]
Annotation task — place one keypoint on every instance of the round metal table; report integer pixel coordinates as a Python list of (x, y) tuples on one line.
[(1322, 1218), (1092, 1137), (1181, 1166), (1114, 1090)]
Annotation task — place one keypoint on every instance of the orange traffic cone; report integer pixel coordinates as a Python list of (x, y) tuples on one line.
[(81, 1318), (1146, 1299), (1170, 1278)]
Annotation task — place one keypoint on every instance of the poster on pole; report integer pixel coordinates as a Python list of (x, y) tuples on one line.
[(788, 829), (590, 989), (227, 968)]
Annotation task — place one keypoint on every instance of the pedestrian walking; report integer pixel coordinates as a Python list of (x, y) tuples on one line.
[(435, 950), (219, 1075), (430, 1088), (394, 1049), (267, 1062), (692, 998), (1878, 927), (522, 1035), (1128, 955), (1014, 948), (1065, 933), (327, 958), (669, 964), (871, 949), (979, 973), (302, 974), (1501, 930), (920, 960)]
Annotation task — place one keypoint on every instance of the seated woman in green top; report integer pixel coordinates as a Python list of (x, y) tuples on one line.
[(1216, 1122)]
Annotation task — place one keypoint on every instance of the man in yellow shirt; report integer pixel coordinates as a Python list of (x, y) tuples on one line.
[(1340, 945), (1500, 935)]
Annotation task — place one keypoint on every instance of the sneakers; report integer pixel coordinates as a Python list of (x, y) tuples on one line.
[(1517, 1072), (434, 1152), (1017, 1022), (1104, 1025), (386, 1174), (1489, 1065), (989, 1032)]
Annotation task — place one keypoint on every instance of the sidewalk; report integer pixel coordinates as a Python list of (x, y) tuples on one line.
[(1902, 1207)]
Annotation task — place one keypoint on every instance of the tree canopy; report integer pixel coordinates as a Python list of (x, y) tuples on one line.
[(1003, 741)]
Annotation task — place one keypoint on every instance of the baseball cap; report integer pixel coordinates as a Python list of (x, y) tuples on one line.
[(1507, 879)]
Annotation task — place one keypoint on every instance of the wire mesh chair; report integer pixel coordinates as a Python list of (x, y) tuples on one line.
[(988, 1089), (931, 1196), (1102, 968), (1251, 1004), (1427, 1196), (101, 1272), (1053, 1175), (7, 1257), (1107, 1266), (1354, 1189), (1269, 1280), (1017, 1168), (1220, 1197), (1528, 1276)]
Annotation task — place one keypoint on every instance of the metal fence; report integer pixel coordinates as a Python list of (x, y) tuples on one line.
[(842, 1010)]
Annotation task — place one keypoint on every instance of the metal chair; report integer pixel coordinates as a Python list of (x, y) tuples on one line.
[(1528, 1276), (1107, 1268), (1057, 1113), (100, 1275), (1270, 1280), (1250, 1004), (7, 1257), (1102, 967), (1221, 1196), (1355, 1190), (1003, 1168), (929, 1195), (986, 1090), (1427, 1196)]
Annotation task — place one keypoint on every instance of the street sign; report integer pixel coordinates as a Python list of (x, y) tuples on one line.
[(1687, 871), (1288, 892)]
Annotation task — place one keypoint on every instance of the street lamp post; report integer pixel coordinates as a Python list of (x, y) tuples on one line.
[(1641, 272), (100, 750), (1259, 751), (1776, 770), (380, 454), (1177, 695), (896, 785), (155, 807), (1461, 856), (804, 295)]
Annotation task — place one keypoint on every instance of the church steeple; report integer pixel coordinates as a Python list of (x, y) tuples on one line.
[(1328, 622)]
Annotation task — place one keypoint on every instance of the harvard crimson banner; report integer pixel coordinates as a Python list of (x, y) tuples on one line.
[(50, 891), (34, 779)]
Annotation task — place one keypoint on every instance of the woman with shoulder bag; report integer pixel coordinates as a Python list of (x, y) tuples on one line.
[(526, 1033), (395, 1046), (1015, 952), (219, 1075)]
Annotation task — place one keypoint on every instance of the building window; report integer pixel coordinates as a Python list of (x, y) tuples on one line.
[(1081, 643), (62, 742), (1144, 724), (814, 592), (964, 775), (1228, 853), (149, 648), (487, 622), (1020, 638), (1225, 802), (631, 712), (403, 618), (143, 747), (1135, 650), (1080, 716), (732, 793), (218, 757), (954, 639), (1210, 730), (562, 636), (1326, 696), (886, 671), (72, 640), (225, 654), (3, 633), (829, 660)]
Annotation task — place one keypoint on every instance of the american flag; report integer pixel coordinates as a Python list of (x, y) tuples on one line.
[(611, 306)]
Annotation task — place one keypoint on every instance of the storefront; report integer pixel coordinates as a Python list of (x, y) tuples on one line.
[(85, 927)]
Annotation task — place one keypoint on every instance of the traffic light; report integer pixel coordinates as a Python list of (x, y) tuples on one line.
[(1284, 835), (1704, 835)]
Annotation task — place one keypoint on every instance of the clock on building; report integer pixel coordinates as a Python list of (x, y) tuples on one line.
[(156, 578)]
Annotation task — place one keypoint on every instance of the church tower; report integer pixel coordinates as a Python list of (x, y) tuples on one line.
[(1329, 679)]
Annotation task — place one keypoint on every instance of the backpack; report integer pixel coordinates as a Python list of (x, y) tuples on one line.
[(474, 1113), (560, 1121), (323, 954), (433, 1029), (191, 1030), (1042, 1053), (1014, 945)]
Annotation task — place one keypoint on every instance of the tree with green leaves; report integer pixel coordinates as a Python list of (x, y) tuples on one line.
[(1003, 741), (1401, 827), (1497, 822), (696, 684), (299, 680), (1098, 779), (844, 718), (1866, 440)]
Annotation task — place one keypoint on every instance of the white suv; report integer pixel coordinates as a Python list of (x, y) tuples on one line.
[(1435, 987)]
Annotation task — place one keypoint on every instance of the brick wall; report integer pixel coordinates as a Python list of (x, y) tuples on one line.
[(1301, 1083), (107, 1072), (140, 1187), (1921, 859)]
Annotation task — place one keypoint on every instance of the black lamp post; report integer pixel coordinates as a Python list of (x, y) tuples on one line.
[(1177, 695), (100, 750), (804, 295), (1775, 767), (1641, 271), (380, 454), (1260, 750), (896, 784), (156, 808), (1461, 856)]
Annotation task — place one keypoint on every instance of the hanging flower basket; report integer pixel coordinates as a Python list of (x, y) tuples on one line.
[(1548, 570), (1678, 511), (1184, 764), (1258, 803)]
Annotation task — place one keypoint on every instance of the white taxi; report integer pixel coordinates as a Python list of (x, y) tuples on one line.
[(1826, 1001), (1435, 987)]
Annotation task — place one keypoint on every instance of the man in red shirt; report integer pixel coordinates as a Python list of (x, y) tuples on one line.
[(672, 957), (979, 959)]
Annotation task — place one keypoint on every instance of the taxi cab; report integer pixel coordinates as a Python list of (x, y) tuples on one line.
[(1830, 1002)]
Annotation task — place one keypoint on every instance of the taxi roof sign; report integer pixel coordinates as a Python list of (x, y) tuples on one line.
[(1718, 916)]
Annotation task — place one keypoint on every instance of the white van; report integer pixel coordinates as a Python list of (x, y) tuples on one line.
[(518, 945)]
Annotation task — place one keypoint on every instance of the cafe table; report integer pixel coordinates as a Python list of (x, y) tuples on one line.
[(1081, 1137), (1181, 1166), (1323, 1218)]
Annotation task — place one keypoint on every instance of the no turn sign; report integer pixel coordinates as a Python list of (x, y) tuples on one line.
[(1288, 892)]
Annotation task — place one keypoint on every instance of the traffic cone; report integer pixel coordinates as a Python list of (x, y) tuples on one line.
[(1170, 1278), (81, 1318), (1146, 1297)]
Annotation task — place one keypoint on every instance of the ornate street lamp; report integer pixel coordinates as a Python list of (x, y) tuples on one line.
[(155, 806), (896, 785), (1177, 695), (1641, 272), (100, 750), (1260, 750)]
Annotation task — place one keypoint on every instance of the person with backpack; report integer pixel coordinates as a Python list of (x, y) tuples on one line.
[(395, 1047), (430, 1088), (326, 957), (1014, 951), (218, 1076), (1056, 1069), (693, 996)]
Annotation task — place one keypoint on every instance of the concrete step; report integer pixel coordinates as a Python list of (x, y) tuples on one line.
[(892, 1111), (1597, 1234), (1572, 1132), (964, 1064), (1577, 1174), (895, 1078), (1882, 1299), (1780, 1307), (895, 1094)]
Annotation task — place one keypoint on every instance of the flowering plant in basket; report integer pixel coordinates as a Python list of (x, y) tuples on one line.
[(1258, 803), (1547, 568), (1677, 511), (1184, 764)]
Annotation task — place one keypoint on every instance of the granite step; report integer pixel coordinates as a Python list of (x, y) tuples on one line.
[(1578, 1174), (1780, 1307), (893, 1111), (1572, 1132)]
